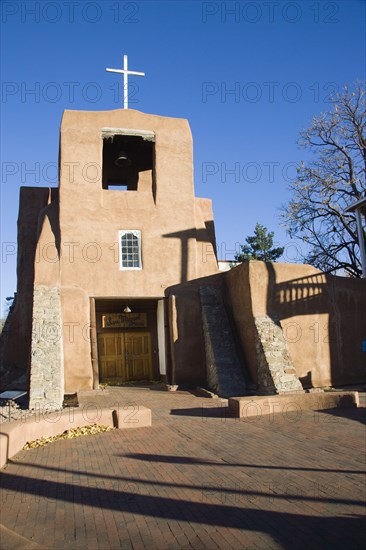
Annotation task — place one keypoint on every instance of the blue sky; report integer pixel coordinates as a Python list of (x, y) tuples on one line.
[(247, 75)]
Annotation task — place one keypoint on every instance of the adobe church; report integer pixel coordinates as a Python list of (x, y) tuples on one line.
[(118, 280), (97, 255)]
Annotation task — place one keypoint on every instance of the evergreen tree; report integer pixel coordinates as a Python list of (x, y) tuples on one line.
[(259, 246)]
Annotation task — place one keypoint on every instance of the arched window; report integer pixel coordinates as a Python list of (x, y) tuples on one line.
[(130, 249)]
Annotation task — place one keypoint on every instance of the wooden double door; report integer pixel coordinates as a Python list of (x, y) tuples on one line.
[(124, 356)]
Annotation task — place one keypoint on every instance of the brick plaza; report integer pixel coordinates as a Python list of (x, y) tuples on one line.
[(196, 479)]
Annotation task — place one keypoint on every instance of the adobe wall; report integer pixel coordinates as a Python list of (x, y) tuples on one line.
[(77, 339), (46, 350), (187, 345), (16, 352), (322, 318)]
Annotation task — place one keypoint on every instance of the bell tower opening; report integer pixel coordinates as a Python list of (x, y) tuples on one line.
[(127, 159)]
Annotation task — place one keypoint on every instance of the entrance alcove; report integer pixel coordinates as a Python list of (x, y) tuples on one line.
[(130, 336)]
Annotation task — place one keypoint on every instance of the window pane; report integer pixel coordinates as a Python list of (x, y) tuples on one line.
[(130, 251)]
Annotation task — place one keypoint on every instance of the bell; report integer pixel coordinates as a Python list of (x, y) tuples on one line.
[(122, 160)]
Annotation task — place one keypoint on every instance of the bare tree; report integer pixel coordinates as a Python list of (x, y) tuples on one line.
[(330, 183)]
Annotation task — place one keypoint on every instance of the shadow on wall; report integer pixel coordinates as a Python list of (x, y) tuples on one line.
[(323, 320), (206, 235), (188, 364), (37, 207)]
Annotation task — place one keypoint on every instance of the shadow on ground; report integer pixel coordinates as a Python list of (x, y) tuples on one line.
[(285, 528)]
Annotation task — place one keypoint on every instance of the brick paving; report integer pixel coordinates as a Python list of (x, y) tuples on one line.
[(195, 479)]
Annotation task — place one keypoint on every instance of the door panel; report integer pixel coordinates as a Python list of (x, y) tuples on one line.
[(138, 355), (111, 356), (124, 356)]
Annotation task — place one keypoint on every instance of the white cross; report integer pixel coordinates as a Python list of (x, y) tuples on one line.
[(125, 73)]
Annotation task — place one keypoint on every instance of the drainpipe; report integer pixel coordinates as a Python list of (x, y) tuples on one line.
[(357, 208), (361, 242)]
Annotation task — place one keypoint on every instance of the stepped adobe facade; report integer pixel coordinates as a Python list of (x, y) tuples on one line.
[(118, 280)]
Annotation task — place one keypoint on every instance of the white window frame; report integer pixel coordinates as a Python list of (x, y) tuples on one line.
[(136, 233)]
